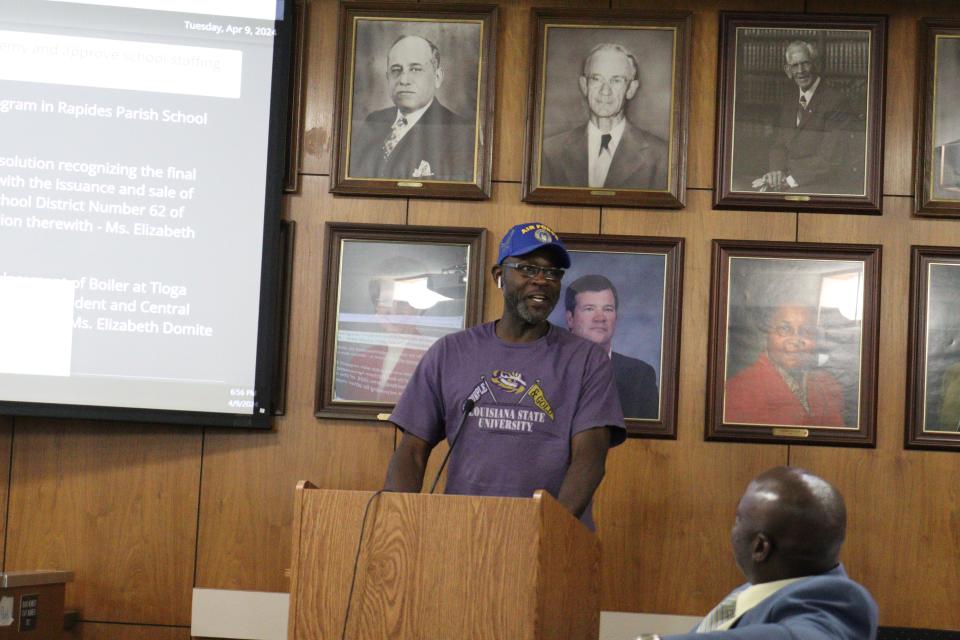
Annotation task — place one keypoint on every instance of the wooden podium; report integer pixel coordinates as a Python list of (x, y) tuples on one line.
[(440, 567)]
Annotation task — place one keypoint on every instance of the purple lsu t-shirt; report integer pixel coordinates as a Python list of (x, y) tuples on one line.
[(531, 399)]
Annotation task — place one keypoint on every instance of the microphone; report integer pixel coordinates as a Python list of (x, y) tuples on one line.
[(468, 406)]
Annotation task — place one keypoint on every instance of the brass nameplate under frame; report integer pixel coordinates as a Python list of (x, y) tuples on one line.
[(791, 433)]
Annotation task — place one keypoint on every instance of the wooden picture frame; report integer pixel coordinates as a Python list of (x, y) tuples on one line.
[(298, 52), (772, 153), (794, 333), (933, 372), (648, 165), (937, 182), (390, 292), (624, 293), (288, 229), (442, 65)]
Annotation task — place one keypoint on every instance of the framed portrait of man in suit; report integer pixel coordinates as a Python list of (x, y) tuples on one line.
[(623, 293), (608, 107), (933, 371), (414, 100), (800, 112), (793, 343), (391, 291), (937, 188)]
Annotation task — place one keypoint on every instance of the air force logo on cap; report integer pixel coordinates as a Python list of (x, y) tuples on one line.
[(530, 236)]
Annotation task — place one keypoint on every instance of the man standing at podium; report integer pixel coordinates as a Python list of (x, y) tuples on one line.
[(525, 405)]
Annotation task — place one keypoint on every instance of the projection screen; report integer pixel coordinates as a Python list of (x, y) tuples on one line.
[(141, 175)]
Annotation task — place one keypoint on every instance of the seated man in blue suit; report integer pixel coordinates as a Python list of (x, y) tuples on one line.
[(789, 527)]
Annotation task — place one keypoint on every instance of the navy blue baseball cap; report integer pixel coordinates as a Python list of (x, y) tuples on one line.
[(530, 236)]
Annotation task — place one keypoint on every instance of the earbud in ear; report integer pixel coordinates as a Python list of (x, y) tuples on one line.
[(500, 283)]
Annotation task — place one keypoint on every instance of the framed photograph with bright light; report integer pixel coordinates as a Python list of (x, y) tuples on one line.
[(933, 372), (391, 292), (793, 343)]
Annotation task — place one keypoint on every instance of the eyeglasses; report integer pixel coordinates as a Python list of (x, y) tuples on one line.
[(615, 82), (806, 65), (532, 270), (786, 330)]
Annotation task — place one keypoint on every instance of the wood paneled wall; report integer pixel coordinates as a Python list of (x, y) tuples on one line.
[(143, 513)]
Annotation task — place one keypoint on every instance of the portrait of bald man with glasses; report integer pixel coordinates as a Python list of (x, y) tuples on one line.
[(607, 151), (417, 137)]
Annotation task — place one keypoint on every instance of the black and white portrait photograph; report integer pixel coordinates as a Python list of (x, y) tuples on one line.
[(933, 381), (800, 117), (938, 163), (795, 332), (622, 293), (608, 109), (393, 293), (413, 96)]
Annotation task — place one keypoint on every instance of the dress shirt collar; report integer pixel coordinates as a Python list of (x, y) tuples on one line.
[(757, 593), (754, 594), (808, 94), (594, 133), (413, 117)]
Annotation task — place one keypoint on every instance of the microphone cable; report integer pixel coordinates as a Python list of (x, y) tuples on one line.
[(467, 408), (356, 563), (468, 405)]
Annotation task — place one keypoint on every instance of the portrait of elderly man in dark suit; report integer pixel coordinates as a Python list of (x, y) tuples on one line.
[(607, 151), (418, 137), (818, 136)]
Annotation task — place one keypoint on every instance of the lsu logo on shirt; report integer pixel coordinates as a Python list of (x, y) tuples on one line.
[(512, 382), (509, 381)]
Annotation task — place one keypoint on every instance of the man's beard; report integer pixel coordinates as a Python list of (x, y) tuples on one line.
[(526, 314)]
